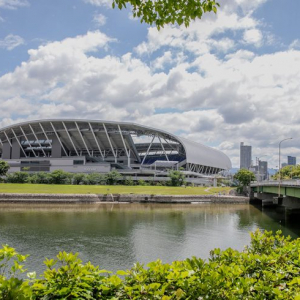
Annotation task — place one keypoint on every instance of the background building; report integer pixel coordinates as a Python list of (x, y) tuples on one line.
[(245, 156), (86, 146), (291, 160)]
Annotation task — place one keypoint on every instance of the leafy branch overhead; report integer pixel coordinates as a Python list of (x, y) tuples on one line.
[(162, 12)]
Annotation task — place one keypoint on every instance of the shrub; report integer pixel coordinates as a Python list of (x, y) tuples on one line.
[(94, 178), (129, 181), (4, 167), (78, 178), (11, 287), (177, 178), (40, 177), (17, 177), (60, 177), (112, 177), (267, 269)]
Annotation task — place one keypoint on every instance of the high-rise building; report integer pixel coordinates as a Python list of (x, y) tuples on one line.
[(263, 169), (245, 156), (291, 160)]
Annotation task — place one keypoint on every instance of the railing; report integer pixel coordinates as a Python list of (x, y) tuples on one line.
[(292, 182)]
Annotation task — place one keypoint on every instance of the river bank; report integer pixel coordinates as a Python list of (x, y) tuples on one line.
[(125, 198)]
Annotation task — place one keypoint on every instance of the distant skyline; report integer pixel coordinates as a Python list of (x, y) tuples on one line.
[(228, 78)]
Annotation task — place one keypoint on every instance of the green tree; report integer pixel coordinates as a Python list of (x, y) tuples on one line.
[(17, 177), (162, 12), (79, 178), (4, 167), (177, 178), (288, 172), (112, 177), (60, 177), (94, 178), (244, 177)]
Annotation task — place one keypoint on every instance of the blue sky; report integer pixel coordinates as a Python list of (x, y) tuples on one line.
[(228, 78)]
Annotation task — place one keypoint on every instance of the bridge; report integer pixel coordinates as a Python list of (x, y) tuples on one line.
[(284, 196)]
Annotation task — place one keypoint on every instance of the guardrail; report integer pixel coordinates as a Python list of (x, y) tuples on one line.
[(295, 182)]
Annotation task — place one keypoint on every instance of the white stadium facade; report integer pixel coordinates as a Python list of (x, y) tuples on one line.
[(85, 146)]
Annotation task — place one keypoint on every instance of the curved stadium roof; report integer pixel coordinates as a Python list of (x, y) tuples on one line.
[(92, 135)]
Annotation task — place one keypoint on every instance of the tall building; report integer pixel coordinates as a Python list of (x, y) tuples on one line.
[(291, 160), (245, 156), (263, 169)]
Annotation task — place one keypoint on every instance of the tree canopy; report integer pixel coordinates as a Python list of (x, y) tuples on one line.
[(163, 12), (4, 166), (288, 172), (244, 177)]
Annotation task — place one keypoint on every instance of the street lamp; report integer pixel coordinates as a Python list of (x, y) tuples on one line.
[(279, 166)]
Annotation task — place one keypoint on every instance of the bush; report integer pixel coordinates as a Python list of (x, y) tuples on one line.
[(267, 269), (142, 182), (94, 178), (17, 177), (112, 177), (177, 178), (129, 181), (12, 287), (4, 167), (60, 177), (40, 177), (78, 178)]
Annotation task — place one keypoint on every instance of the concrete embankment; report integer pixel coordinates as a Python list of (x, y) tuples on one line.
[(96, 198)]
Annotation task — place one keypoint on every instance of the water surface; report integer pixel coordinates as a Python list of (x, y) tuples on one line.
[(115, 236)]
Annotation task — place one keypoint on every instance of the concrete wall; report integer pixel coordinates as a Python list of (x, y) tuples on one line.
[(57, 150), (6, 151), (16, 150)]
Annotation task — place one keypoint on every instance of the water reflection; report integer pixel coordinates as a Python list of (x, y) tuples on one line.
[(115, 236)]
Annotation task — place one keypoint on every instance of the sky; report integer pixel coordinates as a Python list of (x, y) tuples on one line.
[(228, 78)]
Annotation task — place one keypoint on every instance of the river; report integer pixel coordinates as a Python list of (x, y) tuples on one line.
[(115, 236)]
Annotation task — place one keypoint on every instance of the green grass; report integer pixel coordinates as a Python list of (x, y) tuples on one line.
[(105, 189)]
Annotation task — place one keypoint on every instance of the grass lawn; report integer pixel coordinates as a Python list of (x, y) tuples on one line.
[(105, 189)]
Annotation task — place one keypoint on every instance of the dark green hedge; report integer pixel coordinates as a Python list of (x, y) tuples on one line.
[(267, 269)]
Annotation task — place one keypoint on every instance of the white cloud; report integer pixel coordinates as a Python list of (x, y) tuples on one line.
[(99, 20), (253, 36), (221, 92), (11, 41), (13, 4), (107, 3)]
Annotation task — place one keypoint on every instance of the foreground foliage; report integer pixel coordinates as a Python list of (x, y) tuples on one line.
[(162, 12), (267, 269)]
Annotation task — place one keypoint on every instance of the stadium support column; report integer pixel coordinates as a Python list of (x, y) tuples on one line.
[(109, 141), (69, 136), (85, 145), (6, 148), (127, 153), (97, 143), (162, 146), (37, 140), (19, 145), (28, 141), (148, 150), (59, 140)]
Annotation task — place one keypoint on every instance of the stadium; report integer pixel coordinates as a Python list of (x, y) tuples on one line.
[(86, 146)]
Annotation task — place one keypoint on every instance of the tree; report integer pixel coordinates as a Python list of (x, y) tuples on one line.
[(244, 177), (162, 12), (4, 166), (177, 178), (288, 172), (60, 177), (112, 177)]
